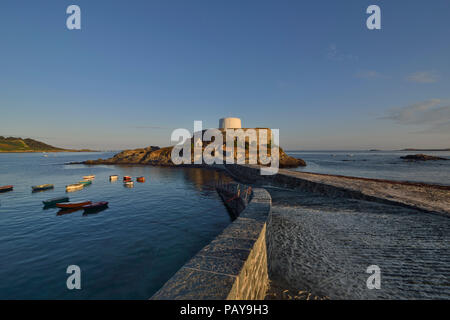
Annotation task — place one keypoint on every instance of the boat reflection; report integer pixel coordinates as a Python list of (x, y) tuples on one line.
[(94, 211), (67, 211)]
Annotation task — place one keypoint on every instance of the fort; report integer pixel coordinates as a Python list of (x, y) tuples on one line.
[(302, 235)]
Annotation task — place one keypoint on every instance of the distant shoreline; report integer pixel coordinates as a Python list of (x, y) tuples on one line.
[(411, 149), (370, 150), (50, 151)]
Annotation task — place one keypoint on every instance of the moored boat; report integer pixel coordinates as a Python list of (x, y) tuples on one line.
[(95, 206), (140, 179), (113, 177), (86, 182), (73, 205), (126, 178), (54, 201), (74, 187), (42, 187), (128, 184), (6, 188), (90, 177)]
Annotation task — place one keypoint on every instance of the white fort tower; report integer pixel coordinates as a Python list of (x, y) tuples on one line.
[(230, 123)]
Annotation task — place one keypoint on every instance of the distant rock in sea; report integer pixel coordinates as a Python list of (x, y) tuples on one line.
[(414, 149), (421, 157)]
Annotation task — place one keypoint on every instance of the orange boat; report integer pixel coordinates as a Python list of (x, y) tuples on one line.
[(6, 188), (140, 179), (126, 178), (73, 205)]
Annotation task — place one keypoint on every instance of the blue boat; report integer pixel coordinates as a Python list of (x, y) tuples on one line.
[(54, 201)]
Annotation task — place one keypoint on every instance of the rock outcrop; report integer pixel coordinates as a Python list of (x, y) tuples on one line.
[(162, 157), (421, 157)]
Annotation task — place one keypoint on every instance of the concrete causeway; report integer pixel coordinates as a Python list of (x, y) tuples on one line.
[(317, 234)]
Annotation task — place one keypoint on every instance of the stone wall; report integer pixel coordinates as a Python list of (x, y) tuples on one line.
[(233, 266)]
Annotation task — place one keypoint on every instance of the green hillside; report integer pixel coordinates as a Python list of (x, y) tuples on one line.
[(13, 144)]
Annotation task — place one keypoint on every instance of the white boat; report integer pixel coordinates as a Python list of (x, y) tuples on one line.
[(74, 187), (90, 177), (128, 184)]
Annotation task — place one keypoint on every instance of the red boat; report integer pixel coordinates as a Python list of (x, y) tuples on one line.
[(95, 206), (140, 179), (127, 178), (6, 188), (72, 205)]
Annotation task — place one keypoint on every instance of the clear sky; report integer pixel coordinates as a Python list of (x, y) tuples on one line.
[(139, 69)]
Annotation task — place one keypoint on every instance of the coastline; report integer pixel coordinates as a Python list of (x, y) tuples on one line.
[(52, 151), (337, 198)]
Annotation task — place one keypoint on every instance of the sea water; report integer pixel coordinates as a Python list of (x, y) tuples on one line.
[(127, 251), (377, 164)]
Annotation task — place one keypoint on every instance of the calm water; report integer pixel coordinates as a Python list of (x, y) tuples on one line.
[(127, 251), (378, 164)]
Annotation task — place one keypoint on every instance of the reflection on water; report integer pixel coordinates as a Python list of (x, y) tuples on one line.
[(204, 179), (94, 211), (62, 212)]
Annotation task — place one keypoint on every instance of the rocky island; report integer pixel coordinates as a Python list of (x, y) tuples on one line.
[(421, 157), (162, 156), (157, 156)]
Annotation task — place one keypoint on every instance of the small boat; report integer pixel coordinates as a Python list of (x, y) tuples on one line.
[(114, 177), (126, 178), (90, 177), (73, 205), (128, 184), (95, 206), (86, 182), (6, 188), (74, 187), (140, 179), (54, 201), (42, 187)]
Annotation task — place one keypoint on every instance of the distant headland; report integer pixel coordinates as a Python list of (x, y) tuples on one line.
[(15, 144)]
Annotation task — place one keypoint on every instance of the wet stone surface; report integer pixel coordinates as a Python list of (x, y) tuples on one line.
[(323, 245)]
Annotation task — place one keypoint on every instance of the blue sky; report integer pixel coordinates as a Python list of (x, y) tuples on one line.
[(139, 69)]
